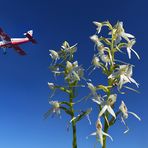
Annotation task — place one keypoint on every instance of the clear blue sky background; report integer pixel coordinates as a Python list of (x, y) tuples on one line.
[(23, 80)]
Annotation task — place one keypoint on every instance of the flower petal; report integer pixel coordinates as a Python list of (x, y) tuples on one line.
[(135, 115), (107, 135), (103, 110), (127, 129), (129, 52), (129, 35), (88, 118), (136, 53), (111, 111), (93, 134), (99, 132), (132, 80), (96, 101)]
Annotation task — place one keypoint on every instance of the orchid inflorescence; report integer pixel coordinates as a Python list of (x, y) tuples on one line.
[(63, 66), (117, 73)]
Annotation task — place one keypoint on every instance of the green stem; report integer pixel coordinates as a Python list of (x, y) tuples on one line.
[(104, 137), (106, 126), (110, 83), (74, 143)]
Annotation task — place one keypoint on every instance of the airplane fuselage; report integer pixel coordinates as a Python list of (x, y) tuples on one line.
[(7, 42), (14, 41)]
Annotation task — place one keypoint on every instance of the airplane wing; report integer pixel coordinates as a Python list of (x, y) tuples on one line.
[(4, 36), (19, 50)]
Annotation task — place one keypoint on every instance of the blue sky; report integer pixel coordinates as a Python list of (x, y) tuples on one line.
[(23, 82)]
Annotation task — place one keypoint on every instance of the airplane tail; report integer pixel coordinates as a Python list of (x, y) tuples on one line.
[(30, 37)]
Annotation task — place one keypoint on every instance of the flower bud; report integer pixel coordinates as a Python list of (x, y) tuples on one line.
[(69, 66)]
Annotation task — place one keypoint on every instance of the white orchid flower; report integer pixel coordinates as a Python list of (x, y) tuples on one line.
[(106, 106), (73, 48), (99, 132), (74, 72), (75, 64), (55, 107), (69, 49), (53, 88), (129, 48), (124, 73), (96, 62), (120, 33), (96, 98), (125, 111), (99, 26), (125, 114), (96, 40), (92, 88), (54, 55), (51, 85), (105, 58)]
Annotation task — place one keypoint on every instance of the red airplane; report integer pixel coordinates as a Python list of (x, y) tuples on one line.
[(8, 42)]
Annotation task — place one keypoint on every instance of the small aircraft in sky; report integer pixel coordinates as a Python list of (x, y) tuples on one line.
[(8, 42)]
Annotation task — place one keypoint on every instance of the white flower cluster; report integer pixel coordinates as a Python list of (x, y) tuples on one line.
[(61, 65), (118, 74)]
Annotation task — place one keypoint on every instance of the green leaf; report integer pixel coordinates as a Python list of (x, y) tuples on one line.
[(63, 89), (104, 88), (66, 103), (83, 114), (66, 110)]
